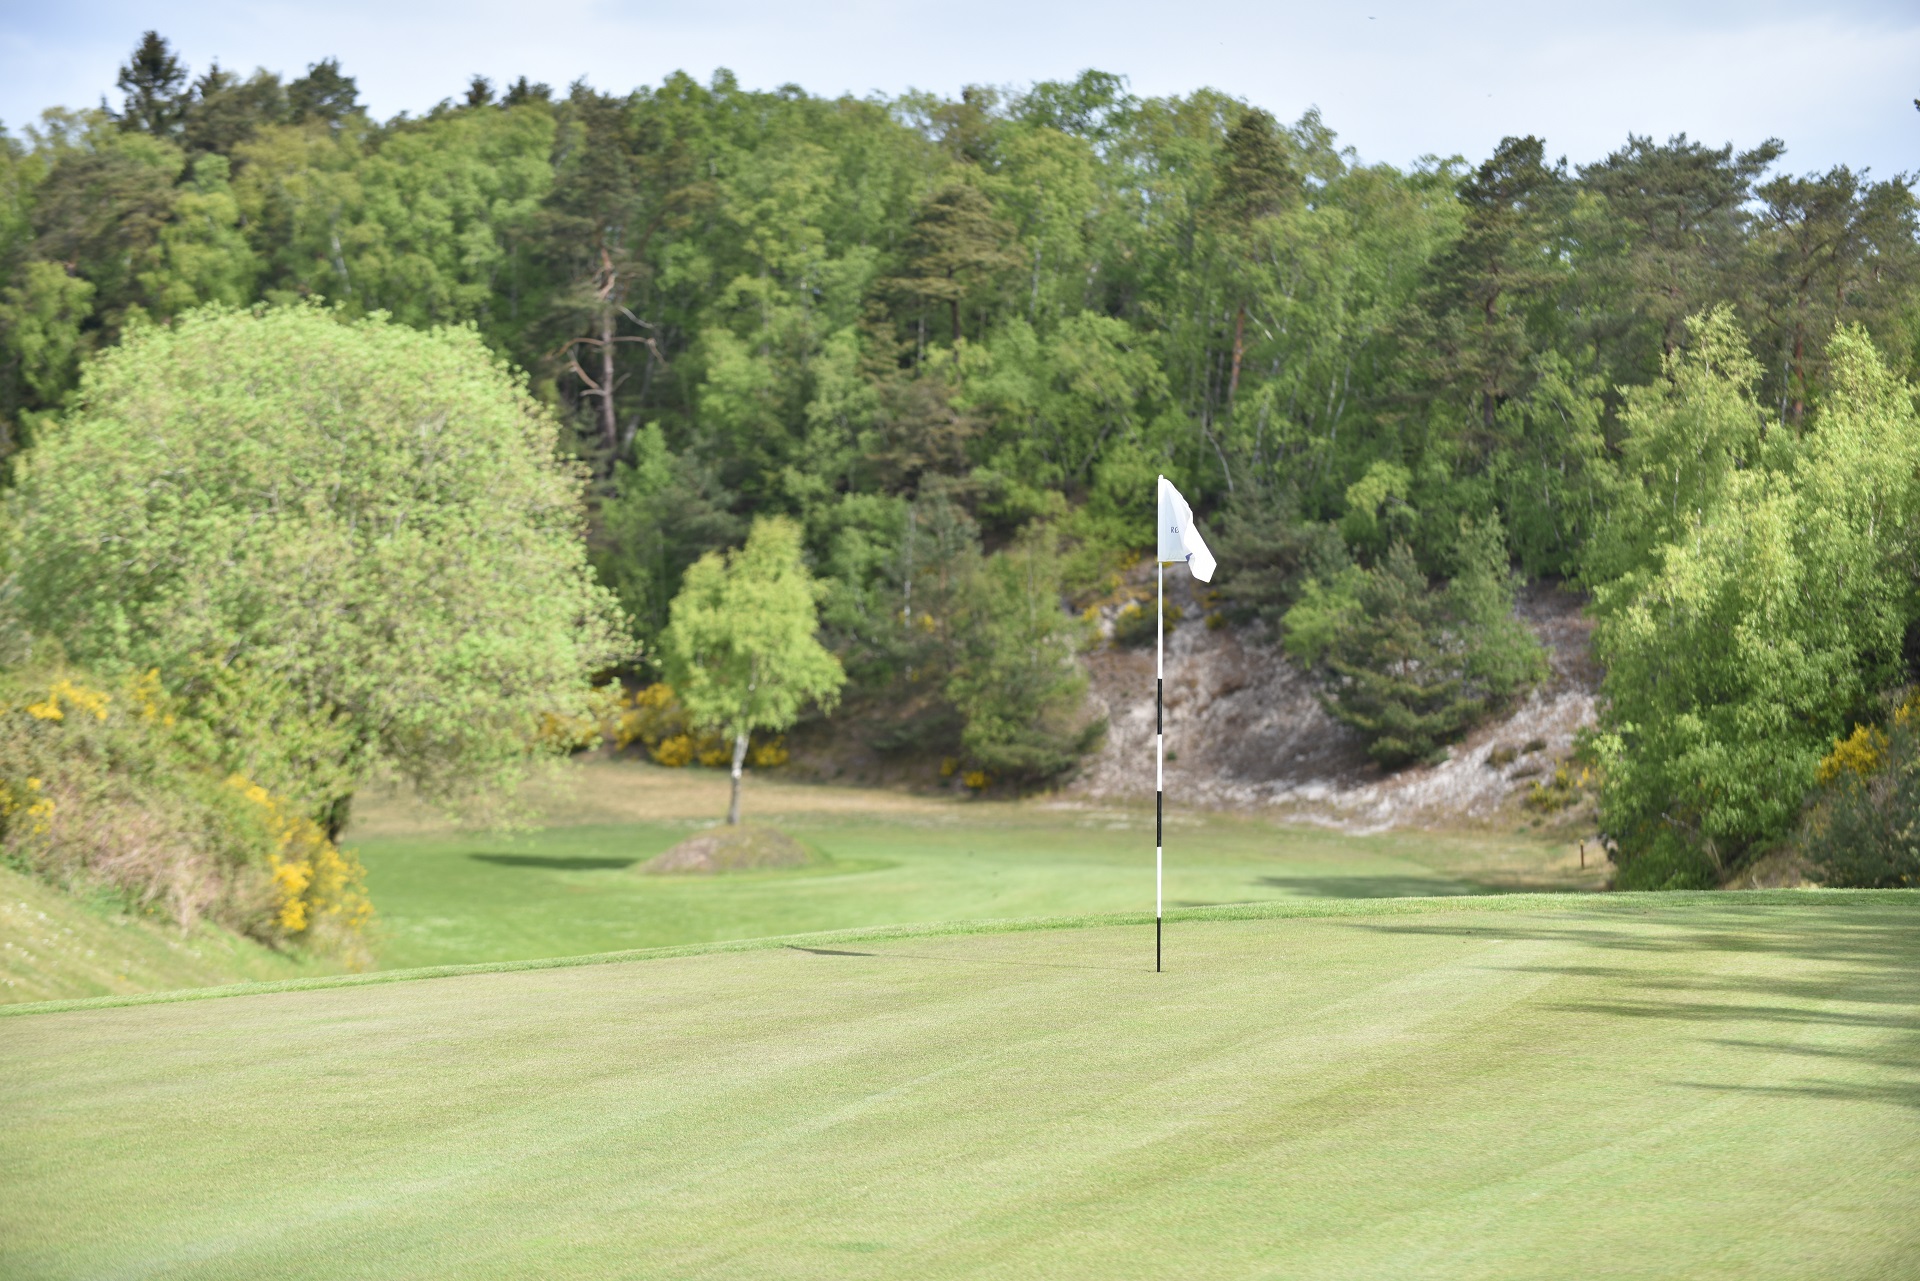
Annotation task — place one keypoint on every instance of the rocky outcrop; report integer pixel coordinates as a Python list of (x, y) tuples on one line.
[(1246, 728)]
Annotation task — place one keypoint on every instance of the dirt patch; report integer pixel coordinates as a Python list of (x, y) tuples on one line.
[(745, 848)]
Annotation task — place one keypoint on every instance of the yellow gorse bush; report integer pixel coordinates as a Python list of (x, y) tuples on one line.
[(1863, 752), (27, 801), (1860, 753), (316, 882), (673, 752), (654, 718), (74, 695)]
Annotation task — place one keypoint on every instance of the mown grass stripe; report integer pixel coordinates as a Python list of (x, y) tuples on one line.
[(1288, 909)]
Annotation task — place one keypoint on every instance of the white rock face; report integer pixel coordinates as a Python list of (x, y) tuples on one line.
[(1245, 728)]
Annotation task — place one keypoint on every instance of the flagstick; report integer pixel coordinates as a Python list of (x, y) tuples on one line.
[(1159, 744)]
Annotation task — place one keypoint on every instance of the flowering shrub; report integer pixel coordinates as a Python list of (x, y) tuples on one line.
[(1863, 827), (320, 889), (115, 785), (654, 718), (673, 752)]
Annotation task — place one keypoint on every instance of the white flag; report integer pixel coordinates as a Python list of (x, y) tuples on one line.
[(1179, 538)]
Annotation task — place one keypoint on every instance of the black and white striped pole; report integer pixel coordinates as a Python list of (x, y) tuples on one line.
[(1159, 749), (1177, 539)]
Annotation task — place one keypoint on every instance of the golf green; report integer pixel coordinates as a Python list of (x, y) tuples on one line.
[(1593, 1086), (450, 897)]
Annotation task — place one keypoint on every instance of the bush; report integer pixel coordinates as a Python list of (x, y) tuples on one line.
[(1863, 828), (1133, 625), (654, 718), (1413, 667), (374, 522), (111, 785), (1017, 685)]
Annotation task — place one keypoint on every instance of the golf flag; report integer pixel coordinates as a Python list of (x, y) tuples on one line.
[(1179, 539)]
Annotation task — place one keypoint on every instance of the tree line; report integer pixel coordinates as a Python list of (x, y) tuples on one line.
[(954, 339)]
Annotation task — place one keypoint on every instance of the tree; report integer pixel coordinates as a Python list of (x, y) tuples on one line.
[(1833, 249), (741, 650), (1256, 181), (372, 517), (154, 82), (1752, 598), (1671, 243), (955, 251), (1021, 696), (665, 512), (1413, 667), (323, 94)]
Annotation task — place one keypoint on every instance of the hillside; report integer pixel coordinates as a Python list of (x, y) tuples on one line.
[(55, 946), (1594, 1086), (1246, 729)]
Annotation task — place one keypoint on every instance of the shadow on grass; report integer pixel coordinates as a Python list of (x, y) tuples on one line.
[(1370, 886), (1855, 969), (555, 862)]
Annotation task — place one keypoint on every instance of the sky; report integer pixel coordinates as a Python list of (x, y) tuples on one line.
[(1836, 81)]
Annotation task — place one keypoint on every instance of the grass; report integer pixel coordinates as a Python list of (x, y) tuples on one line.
[(452, 898), (55, 945), (1619, 1086)]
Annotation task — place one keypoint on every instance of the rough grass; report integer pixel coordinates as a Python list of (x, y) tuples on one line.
[(1628, 1086), (55, 945)]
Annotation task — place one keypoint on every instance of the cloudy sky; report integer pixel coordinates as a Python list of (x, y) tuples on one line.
[(1397, 80)]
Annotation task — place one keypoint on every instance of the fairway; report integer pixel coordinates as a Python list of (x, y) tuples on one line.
[(565, 888), (1629, 1086)]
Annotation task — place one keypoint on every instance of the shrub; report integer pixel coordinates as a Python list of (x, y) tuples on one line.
[(1863, 827), (112, 785), (1133, 625), (654, 718), (1413, 667)]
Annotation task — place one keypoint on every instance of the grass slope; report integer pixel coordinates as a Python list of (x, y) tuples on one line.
[(1629, 1086), (54, 945), (451, 898)]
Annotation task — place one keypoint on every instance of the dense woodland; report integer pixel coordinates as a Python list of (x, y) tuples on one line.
[(954, 340)]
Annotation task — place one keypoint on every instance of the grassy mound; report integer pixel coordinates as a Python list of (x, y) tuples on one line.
[(1445, 1089), (746, 847), (54, 946)]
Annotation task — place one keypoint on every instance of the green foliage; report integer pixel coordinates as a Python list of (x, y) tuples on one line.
[(741, 650), (1016, 685), (117, 785), (370, 516), (745, 303), (1752, 595), (1413, 666), (665, 512), (1863, 828)]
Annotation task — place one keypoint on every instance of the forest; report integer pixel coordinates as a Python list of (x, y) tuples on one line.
[(953, 340)]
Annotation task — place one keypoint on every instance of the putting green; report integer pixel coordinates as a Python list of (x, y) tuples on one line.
[(1621, 1086), (445, 897)]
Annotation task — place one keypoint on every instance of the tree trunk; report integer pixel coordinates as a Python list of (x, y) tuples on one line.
[(1239, 350), (739, 759), (607, 425), (335, 818)]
